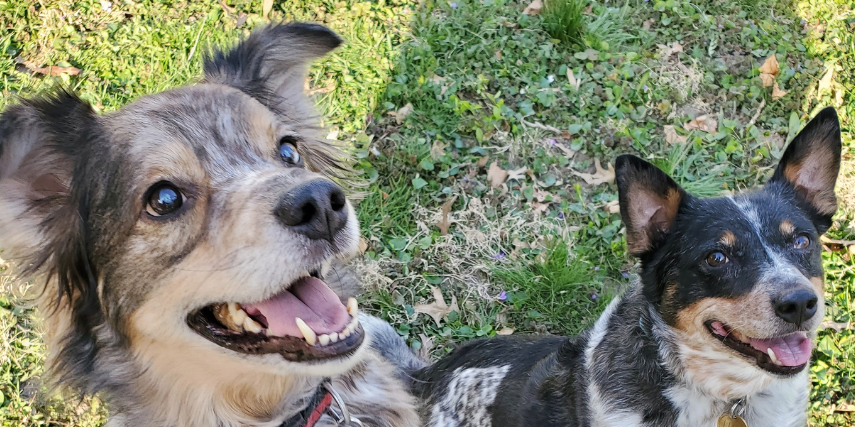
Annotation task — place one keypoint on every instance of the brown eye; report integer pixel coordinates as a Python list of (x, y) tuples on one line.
[(716, 259), (288, 151), (801, 241), (163, 199)]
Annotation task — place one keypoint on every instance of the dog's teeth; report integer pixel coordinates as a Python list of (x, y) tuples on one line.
[(324, 339), (307, 332), (223, 315), (333, 337), (250, 325), (344, 334), (774, 357), (237, 314), (352, 306)]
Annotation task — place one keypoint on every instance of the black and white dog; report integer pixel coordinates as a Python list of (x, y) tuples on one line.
[(718, 331)]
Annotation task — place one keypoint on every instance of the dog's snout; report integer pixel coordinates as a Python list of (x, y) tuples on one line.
[(796, 306), (316, 209)]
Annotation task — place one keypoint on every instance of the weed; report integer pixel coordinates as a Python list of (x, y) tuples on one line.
[(562, 19)]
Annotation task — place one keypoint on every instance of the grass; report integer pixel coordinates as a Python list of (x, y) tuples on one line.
[(489, 87)]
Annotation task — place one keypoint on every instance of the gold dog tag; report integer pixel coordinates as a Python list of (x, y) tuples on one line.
[(726, 420)]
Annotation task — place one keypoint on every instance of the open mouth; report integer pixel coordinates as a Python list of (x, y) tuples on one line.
[(785, 355), (305, 322)]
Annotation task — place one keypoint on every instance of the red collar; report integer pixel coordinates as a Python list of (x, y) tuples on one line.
[(313, 412)]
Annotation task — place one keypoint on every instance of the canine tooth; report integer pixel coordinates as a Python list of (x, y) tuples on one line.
[(352, 306), (237, 314), (221, 312), (353, 324), (333, 337), (310, 335), (324, 339), (772, 356), (250, 325)]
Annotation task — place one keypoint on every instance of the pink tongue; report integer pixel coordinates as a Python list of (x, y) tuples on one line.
[(309, 299), (791, 350)]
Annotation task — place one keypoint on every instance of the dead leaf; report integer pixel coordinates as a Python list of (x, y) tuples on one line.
[(844, 407), (518, 174), (427, 346), (827, 80), (837, 326), (266, 7), (770, 66), (55, 71), (505, 331), (768, 79), (533, 8), (600, 176), (437, 149), (589, 10), (572, 79), (777, 93), (437, 309), (552, 129), (671, 135), (646, 24), (363, 245), (402, 113), (612, 207), (442, 82), (667, 51), (567, 152), (496, 175), (483, 161), (703, 123), (443, 224)]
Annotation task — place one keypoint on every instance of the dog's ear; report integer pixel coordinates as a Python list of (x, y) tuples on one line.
[(272, 65), (810, 166), (649, 201)]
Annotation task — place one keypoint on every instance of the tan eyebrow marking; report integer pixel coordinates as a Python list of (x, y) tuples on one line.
[(787, 227), (728, 238)]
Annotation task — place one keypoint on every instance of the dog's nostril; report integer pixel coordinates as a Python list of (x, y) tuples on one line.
[(337, 200), (796, 306), (308, 212)]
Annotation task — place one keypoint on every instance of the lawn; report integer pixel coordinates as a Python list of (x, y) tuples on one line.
[(483, 133)]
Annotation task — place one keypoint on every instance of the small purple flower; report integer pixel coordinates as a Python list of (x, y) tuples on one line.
[(503, 296), (596, 268), (499, 256), (552, 142), (803, 21), (625, 274), (560, 215), (453, 5), (720, 26), (645, 87), (594, 296)]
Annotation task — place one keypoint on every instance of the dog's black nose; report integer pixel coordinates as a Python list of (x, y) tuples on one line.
[(796, 306), (315, 209)]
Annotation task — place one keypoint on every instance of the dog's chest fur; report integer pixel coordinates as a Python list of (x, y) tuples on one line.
[(613, 375)]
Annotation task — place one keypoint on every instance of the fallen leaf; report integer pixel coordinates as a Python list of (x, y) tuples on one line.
[(443, 224), (844, 407), (646, 24), (518, 174), (572, 79), (600, 176), (770, 66), (55, 71), (703, 123), (777, 93), (363, 245), (768, 79), (671, 135), (533, 8), (567, 152), (612, 207), (498, 55), (437, 309), (483, 161), (552, 129), (667, 51), (505, 331), (266, 7), (589, 10), (427, 346), (402, 113), (837, 326), (442, 82), (496, 175), (437, 149), (827, 80)]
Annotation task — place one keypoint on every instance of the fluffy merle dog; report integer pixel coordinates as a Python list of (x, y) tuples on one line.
[(178, 248), (718, 331)]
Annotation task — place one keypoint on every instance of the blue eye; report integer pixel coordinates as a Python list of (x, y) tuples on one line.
[(288, 151), (164, 199)]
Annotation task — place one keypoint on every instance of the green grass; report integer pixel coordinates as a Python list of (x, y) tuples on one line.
[(487, 84)]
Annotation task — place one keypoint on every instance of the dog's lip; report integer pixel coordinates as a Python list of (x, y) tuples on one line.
[(741, 344), (280, 334)]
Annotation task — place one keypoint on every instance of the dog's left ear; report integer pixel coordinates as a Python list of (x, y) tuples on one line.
[(272, 64), (810, 166)]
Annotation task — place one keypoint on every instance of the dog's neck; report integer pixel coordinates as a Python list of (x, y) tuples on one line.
[(636, 362)]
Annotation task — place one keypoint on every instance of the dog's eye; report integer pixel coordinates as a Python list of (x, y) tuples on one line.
[(716, 259), (288, 151), (801, 241), (164, 199)]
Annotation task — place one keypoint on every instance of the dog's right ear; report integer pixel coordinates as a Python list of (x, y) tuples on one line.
[(649, 201), (272, 64)]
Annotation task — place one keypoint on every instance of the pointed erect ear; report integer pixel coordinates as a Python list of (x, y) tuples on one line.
[(649, 201), (811, 163), (272, 64)]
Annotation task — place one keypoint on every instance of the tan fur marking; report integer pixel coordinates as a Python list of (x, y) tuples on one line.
[(728, 239), (787, 228), (818, 284)]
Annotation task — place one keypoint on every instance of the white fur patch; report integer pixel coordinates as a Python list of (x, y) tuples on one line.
[(468, 397)]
